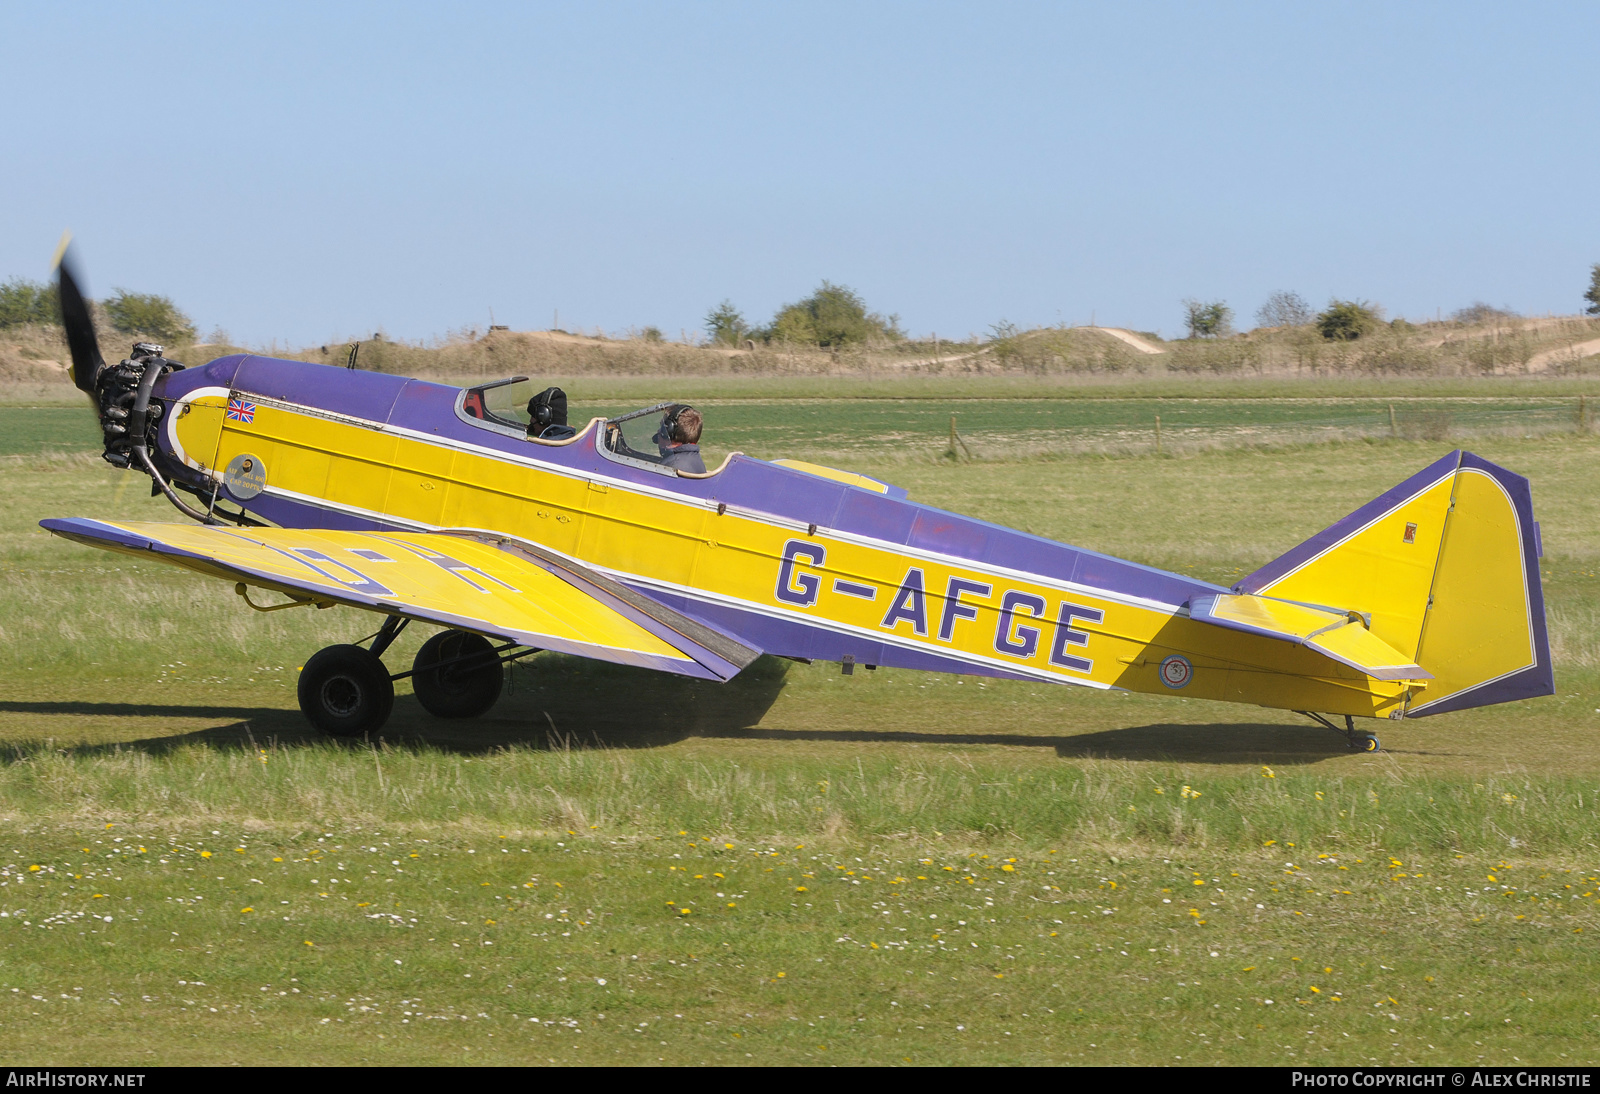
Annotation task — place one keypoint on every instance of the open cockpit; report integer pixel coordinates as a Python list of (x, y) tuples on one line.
[(662, 437)]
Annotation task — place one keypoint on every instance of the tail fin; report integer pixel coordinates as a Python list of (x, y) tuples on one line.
[(1447, 567)]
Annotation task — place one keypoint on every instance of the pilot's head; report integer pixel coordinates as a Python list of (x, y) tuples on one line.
[(679, 425)]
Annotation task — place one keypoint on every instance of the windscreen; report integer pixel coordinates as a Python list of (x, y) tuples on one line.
[(505, 401), (509, 402), (638, 430)]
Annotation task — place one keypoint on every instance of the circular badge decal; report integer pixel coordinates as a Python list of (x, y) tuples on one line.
[(1176, 671), (245, 477)]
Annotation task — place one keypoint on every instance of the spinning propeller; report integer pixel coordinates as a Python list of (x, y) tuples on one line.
[(79, 323)]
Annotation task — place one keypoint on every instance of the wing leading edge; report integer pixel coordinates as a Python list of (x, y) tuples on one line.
[(492, 585)]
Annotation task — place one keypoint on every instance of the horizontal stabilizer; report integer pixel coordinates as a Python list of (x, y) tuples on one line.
[(1342, 636), (496, 586)]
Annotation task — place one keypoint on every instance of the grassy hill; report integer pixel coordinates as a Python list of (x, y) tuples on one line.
[(1495, 346)]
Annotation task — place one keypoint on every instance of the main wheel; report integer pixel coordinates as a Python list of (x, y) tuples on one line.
[(345, 691), (457, 675)]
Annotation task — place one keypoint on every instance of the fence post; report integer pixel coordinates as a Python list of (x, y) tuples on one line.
[(1393, 432), (1582, 424), (1158, 434)]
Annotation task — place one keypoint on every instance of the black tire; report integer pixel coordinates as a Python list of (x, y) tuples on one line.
[(345, 691), (464, 689)]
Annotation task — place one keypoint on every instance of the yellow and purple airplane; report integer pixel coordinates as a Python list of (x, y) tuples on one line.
[(478, 510)]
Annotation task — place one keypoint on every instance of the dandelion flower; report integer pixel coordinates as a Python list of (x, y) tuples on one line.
[(246, 910)]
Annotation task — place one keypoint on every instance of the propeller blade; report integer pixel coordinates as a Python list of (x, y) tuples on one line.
[(79, 324)]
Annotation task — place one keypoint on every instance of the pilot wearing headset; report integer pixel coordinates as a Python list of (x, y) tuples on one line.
[(678, 439)]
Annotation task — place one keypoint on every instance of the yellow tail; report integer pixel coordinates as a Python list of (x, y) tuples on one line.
[(1446, 567)]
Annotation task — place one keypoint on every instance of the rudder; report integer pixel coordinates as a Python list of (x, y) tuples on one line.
[(1445, 566)]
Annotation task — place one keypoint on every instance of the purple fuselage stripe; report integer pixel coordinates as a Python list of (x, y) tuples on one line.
[(748, 484)]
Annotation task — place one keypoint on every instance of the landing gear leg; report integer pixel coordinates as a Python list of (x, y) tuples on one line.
[(387, 634), (1358, 740)]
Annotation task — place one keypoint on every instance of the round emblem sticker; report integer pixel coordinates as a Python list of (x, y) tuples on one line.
[(245, 477), (1176, 671)]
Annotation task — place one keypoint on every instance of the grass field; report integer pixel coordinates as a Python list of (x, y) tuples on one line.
[(796, 867)]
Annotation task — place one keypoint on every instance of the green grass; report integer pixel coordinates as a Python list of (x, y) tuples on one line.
[(29, 431), (344, 944), (1427, 900)]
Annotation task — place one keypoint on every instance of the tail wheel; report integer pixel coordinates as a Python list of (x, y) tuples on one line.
[(456, 675), (345, 691), (1368, 743)]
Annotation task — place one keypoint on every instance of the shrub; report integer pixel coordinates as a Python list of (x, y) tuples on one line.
[(1208, 320), (1284, 309), (1347, 320), (1478, 313), (833, 316), (1003, 341), (725, 325), (147, 313), (23, 302)]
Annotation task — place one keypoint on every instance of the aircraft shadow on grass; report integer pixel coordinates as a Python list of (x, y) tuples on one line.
[(564, 702), (550, 702)]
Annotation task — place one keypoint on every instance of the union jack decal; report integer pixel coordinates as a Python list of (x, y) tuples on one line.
[(241, 411)]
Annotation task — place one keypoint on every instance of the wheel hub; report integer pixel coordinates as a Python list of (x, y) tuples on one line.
[(341, 695)]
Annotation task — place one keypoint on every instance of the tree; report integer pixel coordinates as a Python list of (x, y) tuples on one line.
[(1593, 295), (1347, 320), (1284, 309), (23, 301), (1208, 320), (147, 313), (833, 316), (726, 325)]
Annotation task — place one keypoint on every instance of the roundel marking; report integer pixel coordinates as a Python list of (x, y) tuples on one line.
[(1176, 671)]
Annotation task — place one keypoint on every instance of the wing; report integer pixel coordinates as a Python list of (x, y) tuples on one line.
[(1342, 636), (506, 588)]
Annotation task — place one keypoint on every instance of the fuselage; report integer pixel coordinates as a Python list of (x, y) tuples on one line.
[(797, 564)]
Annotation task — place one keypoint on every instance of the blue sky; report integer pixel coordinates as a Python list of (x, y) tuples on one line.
[(319, 171)]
